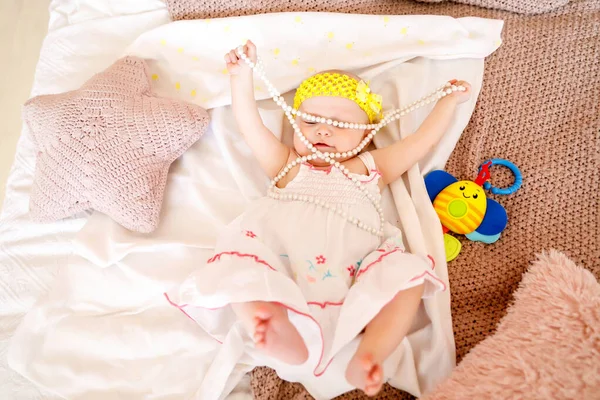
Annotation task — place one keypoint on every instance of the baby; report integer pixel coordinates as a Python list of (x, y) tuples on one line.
[(320, 233)]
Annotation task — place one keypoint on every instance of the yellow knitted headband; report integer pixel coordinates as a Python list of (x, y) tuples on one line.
[(340, 85)]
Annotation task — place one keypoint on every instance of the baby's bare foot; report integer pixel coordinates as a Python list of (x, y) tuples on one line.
[(365, 374), (275, 334)]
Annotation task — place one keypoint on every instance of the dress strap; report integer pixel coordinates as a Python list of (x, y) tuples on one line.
[(368, 160)]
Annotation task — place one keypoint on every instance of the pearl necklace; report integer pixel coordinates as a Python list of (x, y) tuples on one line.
[(330, 158)]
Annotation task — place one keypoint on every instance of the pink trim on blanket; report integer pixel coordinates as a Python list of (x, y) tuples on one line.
[(435, 278), (186, 314), (381, 257), (238, 254)]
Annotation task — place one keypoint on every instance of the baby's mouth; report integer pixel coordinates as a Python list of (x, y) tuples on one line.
[(320, 145)]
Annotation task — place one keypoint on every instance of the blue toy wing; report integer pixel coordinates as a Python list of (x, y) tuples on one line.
[(436, 181), (494, 220), (478, 237)]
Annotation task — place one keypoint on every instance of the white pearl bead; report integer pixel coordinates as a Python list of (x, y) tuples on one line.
[(310, 146), (331, 161), (337, 155), (335, 123), (337, 164), (329, 122), (344, 155)]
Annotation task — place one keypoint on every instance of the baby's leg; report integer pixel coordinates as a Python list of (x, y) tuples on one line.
[(382, 336), (269, 326)]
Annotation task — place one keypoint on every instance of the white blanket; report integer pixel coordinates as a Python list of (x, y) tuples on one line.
[(105, 330)]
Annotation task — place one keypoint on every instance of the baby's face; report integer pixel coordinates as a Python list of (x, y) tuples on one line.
[(329, 138)]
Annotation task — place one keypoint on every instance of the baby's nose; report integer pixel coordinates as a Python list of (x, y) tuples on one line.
[(323, 132)]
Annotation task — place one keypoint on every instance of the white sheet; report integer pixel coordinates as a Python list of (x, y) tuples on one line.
[(84, 37), (106, 327)]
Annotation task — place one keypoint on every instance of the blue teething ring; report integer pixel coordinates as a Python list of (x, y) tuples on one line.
[(513, 168)]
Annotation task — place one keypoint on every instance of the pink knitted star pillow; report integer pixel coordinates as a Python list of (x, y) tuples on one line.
[(108, 146)]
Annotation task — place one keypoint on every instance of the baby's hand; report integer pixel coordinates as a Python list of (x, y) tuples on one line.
[(235, 64), (459, 96)]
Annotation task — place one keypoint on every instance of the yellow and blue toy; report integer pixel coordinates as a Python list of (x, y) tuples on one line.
[(464, 208)]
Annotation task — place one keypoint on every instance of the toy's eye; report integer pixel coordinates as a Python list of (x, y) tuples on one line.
[(475, 196), (462, 188)]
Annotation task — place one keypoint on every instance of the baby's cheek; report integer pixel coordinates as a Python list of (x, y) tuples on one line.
[(352, 139), (300, 148)]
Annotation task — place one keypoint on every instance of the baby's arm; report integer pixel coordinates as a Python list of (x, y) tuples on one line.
[(392, 161), (270, 152)]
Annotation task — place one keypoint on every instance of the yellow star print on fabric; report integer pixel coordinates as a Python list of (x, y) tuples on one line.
[(349, 46), (177, 85), (154, 77), (295, 62), (180, 50), (193, 93), (276, 52), (330, 35), (404, 31), (163, 42)]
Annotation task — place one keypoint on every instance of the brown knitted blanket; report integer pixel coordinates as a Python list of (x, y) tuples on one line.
[(539, 108)]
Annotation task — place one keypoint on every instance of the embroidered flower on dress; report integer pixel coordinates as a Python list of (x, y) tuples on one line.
[(352, 270), (250, 234), (321, 260)]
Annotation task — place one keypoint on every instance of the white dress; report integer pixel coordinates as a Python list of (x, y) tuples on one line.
[(332, 276)]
